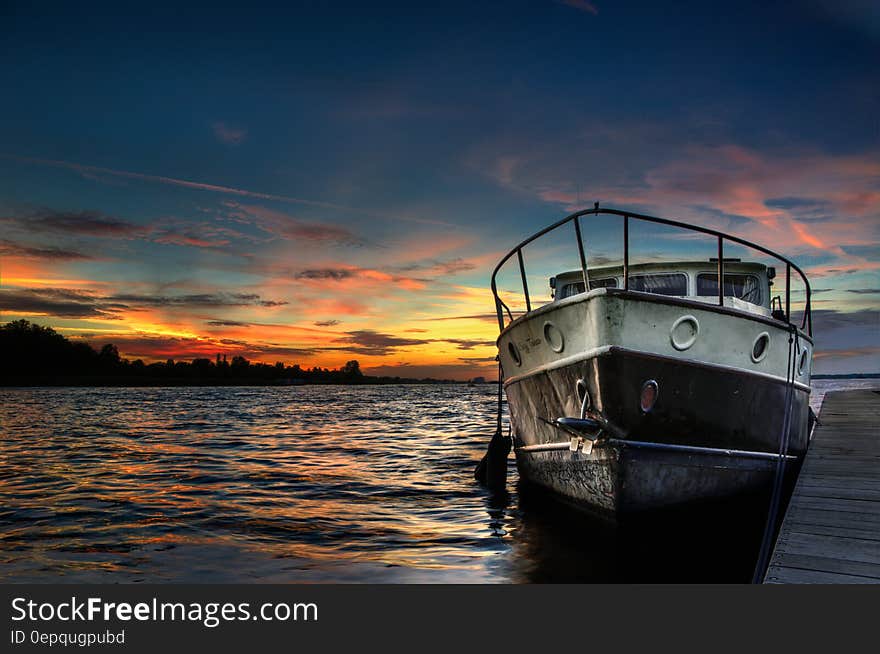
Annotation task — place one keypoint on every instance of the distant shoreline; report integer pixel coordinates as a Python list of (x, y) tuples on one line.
[(141, 382), (37, 356), (159, 382)]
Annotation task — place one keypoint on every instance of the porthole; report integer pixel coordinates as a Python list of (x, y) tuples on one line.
[(760, 347), (802, 363), (648, 395), (514, 353), (553, 337), (684, 332)]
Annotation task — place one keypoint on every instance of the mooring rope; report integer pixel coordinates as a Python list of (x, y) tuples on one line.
[(776, 497), (498, 420)]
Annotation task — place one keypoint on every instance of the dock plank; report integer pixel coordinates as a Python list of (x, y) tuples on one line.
[(829, 564), (783, 575), (831, 530)]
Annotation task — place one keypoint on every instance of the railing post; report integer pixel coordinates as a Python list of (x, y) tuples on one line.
[(809, 312), (720, 271), (788, 292), (500, 312), (577, 231), (626, 253), (522, 272)]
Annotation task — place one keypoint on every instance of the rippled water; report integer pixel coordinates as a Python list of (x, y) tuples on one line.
[(309, 483)]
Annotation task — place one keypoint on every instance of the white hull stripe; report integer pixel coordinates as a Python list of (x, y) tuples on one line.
[(668, 447), (605, 349)]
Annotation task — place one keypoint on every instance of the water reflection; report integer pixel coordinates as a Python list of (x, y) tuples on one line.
[(556, 542), (306, 483)]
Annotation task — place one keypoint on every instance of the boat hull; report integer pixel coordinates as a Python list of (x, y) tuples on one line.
[(713, 432), (616, 479)]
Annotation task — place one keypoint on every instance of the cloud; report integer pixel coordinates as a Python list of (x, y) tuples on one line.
[(92, 171), (840, 334), (807, 209), (847, 353), (582, 5), (227, 323), (76, 303), (861, 291), (771, 189), (828, 319), (189, 239), (201, 234), (487, 317), (292, 228), (843, 266), (334, 274), (195, 300), (440, 268), (80, 223), (258, 350), (168, 231), (356, 277), (326, 323), (373, 343), (469, 344), (229, 135), (12, 249), (62, 303), (797, 200), (870, 251)]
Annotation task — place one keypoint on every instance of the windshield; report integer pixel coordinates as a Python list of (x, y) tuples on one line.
[(744, 287), (578, 287), (661, 283)]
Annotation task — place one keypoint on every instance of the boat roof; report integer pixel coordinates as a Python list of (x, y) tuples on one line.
[(704, 265)]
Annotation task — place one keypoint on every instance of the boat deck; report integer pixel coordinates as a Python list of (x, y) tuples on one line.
[(831, 530)]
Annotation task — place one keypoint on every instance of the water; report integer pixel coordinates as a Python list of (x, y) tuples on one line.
[(309, 483), (822, 386)]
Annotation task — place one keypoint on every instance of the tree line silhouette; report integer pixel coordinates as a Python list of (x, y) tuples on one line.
[(34, 355)]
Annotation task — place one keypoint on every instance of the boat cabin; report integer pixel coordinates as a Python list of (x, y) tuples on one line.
[(747, 286)]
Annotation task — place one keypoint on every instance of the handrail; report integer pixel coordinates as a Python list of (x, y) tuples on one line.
[(500, 306)]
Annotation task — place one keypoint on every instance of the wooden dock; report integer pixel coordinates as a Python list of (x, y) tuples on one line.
[(831, 530)]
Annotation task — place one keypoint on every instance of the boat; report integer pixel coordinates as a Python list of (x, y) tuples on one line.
[(657, 384)]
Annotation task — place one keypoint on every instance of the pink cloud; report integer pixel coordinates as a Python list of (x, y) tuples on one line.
[(289, 227), (705, 184)]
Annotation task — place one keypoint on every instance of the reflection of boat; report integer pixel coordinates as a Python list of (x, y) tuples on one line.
[(642, 386), (551, 541)]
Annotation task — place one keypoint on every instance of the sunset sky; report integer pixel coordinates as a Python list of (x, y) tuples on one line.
[(335, 181)]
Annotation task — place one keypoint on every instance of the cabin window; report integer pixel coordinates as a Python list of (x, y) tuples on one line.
[(661, 283), (608, 282), (571, 289), (744, 287), (578, 287)]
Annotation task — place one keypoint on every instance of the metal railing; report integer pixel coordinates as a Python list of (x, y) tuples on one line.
[(501, 307)]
